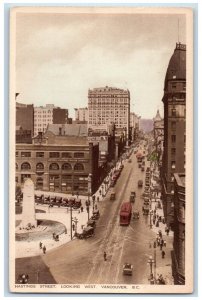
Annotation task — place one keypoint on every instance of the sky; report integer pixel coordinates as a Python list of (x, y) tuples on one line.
[(59, 56)]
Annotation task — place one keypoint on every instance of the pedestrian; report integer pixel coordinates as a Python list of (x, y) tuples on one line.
[(161, 244), (159, 218), (96, 206), (154, 244), (54, 235), (97, 198), (164, 243), (40, 245), (163, 254), (73, 227), (81, 208), (167, 231), (44, 249), (157, 224), (105, 256)]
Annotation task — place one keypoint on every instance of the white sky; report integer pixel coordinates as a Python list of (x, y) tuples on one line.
[(60, 56)]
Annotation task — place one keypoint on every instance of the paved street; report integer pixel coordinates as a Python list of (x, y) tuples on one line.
[(81, 261)]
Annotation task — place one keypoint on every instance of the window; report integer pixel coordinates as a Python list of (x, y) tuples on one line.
[(39, 166), (16, 154), (16, 166), (54, 166), (25, 166), (39, 154), (173, 112), (54, 154), (16, 178), (79, 154), (173, 138), (66, 167), (78, 167), (66, 154), (173, 164), (173, 125), (173, 150), (25, 154), (24, 177)]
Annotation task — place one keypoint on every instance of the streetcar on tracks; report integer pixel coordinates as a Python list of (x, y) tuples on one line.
[(125, 213)]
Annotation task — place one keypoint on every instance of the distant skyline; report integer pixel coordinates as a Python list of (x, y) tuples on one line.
[(60, 56)]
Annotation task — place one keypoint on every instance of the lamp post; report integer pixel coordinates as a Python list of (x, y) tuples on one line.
[(150, 262)]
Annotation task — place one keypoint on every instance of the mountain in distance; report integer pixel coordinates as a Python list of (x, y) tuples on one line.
[(146, 125)]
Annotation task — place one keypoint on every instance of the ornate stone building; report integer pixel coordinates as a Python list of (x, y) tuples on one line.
[(174, 100)]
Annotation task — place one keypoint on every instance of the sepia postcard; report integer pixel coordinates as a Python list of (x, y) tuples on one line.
[(101, 150)]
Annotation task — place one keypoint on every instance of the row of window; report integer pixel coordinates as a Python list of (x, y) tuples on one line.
[(52, 154), (53, 166)]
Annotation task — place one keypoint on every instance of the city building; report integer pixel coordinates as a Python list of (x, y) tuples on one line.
[(81, 115), (25, 116), (174, 101), (104, 135), (178, 255), (159, 137), (49, 114), (23, 136), (59, 163), (108, 105), (134, 126)]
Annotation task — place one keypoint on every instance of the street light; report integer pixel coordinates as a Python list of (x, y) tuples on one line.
[(150, 262)]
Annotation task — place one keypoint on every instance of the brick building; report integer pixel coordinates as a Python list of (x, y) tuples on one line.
[(58, 163), (25, 116)]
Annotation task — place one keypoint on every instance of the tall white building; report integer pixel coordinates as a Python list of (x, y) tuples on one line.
[(108, 105)]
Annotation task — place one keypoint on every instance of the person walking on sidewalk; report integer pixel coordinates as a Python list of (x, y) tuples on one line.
[(40, 245), (105, 256), (163, 254), (44, 249)]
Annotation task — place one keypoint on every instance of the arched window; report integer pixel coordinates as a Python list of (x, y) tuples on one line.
[(25, 166), (39, 166), (53, 166), (66, 166), (78, 167), (16, 166)]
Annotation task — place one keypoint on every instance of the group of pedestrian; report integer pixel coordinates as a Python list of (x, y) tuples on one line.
[(42, 247), (160, 243)]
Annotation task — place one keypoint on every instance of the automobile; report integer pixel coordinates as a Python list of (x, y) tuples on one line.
[(91, 223), (52, 198), (136, 214), (132, 196), (127, 269), (140, 183), (113, 182), (121, 167), (77, 203), (113, 196), (87, 232), (142, 169), (71, 202), (64, 202), (139, 165), (46, 199), (129, 160), (143, 163), (96, 215), (39, 198), (145, 209), (58, 201)]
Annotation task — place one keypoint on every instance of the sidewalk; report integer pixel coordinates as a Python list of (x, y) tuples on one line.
[(163, 265)]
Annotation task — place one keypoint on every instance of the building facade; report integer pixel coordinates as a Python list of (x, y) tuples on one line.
[(159, 137), (23, 136), (81, 115), (178, 257), (174, 101), (108, 105), (25, 116), (57, 163), (48, 114)]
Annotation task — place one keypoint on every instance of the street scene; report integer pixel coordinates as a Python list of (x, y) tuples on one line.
[(99, 200)]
